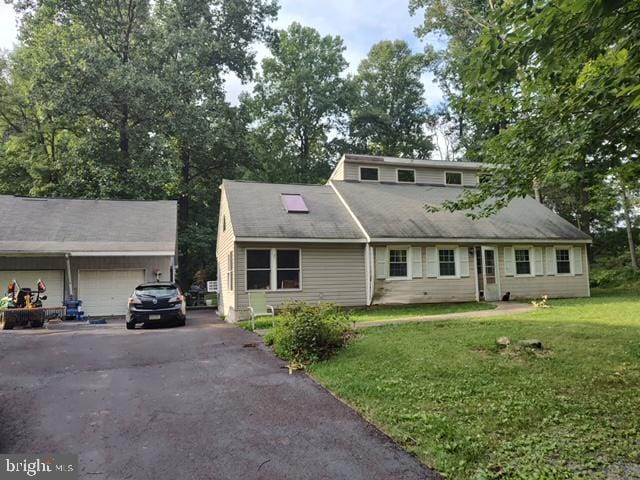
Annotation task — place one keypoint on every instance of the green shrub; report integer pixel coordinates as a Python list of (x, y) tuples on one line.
[(307, 333)]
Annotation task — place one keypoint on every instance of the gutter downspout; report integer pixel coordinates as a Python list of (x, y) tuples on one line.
[(69, 281)]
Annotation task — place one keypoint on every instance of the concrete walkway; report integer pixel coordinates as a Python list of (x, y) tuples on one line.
[(502, 309)]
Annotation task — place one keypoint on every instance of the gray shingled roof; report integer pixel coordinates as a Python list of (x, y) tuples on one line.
[(55, 225), (257, 211), (397, 211)]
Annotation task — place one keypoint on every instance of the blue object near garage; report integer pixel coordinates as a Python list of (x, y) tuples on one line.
[(74, 310)]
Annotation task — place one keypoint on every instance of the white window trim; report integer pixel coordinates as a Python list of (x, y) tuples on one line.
[(457, 173), (399, 247), (415, 175), (456, 258), (273, 270), (555, 260), (373, 168), (529, 248)]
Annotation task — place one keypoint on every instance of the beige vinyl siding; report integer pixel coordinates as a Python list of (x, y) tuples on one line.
[(555, 286), (428, 290), (225, 245), (338, 173), (387, 173), (148, 264), (330, 273)]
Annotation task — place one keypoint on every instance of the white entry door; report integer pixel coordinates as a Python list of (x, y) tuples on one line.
[(105, 292), (490, 274), (53, 279)]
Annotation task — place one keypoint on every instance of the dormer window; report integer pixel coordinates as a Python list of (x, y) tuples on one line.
[(453, 178), (405, 175), (369, 174), (294, 203)]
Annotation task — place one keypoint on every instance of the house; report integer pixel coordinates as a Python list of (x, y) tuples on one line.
[(366, 238), (93, 250)]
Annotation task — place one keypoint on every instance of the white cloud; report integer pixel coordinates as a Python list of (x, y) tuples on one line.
[(8, 29)]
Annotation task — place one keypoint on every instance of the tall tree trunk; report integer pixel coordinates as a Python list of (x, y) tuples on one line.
[(123, 133), (627, 220), (184, 211)]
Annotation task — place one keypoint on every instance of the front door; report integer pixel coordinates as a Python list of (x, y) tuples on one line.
[(490, 274)]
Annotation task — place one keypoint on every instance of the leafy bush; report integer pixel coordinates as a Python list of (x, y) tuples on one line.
[(613, 277), (307, 333)]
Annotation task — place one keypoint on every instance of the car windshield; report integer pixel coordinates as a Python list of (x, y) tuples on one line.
[(157, 290)]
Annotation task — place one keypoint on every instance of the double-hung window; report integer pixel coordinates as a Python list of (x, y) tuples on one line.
[(230, 270), (273, 269), (398, 265), (447, 262), (288, 269), (563, 261), (259, 269), (523, 261)]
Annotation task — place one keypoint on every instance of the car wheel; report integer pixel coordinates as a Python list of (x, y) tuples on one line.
[(130, 325)]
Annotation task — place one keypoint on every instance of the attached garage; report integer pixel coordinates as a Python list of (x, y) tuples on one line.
[(96, 251), (105, 292), (54, 280)]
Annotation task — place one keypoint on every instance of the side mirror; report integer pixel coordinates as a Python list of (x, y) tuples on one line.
[(41, 286), (44, 297)]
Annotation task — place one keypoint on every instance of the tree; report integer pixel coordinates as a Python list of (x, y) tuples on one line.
[(547, 93), (299, 102), (390, 116), (125, 99)]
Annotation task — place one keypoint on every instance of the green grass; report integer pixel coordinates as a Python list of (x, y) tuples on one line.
[(406, 311), (392, 312), (444, 391)]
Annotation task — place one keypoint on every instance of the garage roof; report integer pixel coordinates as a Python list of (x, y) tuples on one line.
[(56, 225)]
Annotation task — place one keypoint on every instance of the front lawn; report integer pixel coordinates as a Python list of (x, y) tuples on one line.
[(446, 392), (385, 312), (393, 312)]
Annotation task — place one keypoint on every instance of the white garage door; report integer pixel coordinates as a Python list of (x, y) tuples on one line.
[(53, 279), (105, 292)]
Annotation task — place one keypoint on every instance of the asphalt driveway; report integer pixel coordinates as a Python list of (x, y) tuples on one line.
[(206, 401)]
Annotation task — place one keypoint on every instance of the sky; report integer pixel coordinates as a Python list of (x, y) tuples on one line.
[(360, 23)]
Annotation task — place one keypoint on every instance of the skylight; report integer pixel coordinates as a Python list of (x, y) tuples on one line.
[(294, 203)]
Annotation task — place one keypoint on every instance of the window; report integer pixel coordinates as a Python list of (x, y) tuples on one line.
[(523, 262), (369, 174), (447, 259), (406, 176), (224, 223), (258, 269), (453, 178), (230, 270), (294, 203), (398, 266), (563, 260), (273, 269), (288, 265)]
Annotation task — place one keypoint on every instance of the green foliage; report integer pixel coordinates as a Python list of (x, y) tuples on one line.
[(307, 333), (125, 99), (298, 100), (390, 116), (473, 412)]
